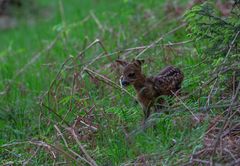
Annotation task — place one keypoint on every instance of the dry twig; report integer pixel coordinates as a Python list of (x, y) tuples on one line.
[(82, 149), (66, 145), (161, 38), (108, 81)]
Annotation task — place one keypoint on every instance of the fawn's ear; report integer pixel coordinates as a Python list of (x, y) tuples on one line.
[(138, 62), (122, 62)]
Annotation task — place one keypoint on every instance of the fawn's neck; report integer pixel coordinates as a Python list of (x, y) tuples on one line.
[(140, 83)]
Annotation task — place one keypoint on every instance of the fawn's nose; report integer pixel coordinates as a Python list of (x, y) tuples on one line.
[(124, 83)]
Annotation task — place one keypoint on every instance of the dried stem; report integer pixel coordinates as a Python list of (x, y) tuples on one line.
[(66, 145), (82, 149), (107, 81), (161, 38)]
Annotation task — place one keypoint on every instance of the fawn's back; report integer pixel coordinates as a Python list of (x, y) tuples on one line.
[(168, 81)]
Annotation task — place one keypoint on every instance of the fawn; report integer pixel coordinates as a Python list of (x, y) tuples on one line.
[(149, 89)]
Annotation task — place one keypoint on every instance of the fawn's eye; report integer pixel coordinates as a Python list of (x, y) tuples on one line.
[(131, 74)]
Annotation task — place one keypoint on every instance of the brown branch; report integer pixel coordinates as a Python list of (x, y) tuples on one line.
[(71, 96), (100, 26), (82, 149), (107, 81), (33, 155), (206, 83), (57, 75), (161, 38), (96, 41), (222, 66), (185, 105), (66, 145), (51, 147), (227, 118), (55, 113)]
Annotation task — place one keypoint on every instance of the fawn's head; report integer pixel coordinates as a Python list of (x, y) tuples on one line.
[(131, 71)]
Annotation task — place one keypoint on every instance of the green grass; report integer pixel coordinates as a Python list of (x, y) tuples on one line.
[(123, 24)]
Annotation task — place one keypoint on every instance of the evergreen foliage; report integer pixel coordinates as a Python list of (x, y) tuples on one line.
[(207, 28)]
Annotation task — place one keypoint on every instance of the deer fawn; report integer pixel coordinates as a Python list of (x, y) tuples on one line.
[(149, 89)]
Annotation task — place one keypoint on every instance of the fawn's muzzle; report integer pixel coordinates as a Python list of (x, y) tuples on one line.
[(124, 83)]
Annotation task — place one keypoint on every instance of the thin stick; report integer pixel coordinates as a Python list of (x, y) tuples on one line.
[(82, 149), (215, 106), (57, 76), (55, 113), (79, 120), (106, 80), (50, 147), (97, 21), (96, 41), (205, 84), (71, 96), (91, 62), (226, 118), (211, 92), (234, 163), (233, 98), (186, 106), (161, 38), (222, 66), (75, 24), (101, 55), (37, 56), (66, 144), (33, 155)]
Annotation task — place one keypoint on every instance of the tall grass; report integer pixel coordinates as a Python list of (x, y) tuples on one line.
[(42, 84)]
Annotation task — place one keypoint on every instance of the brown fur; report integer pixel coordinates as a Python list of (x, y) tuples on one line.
[(150, 88)]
